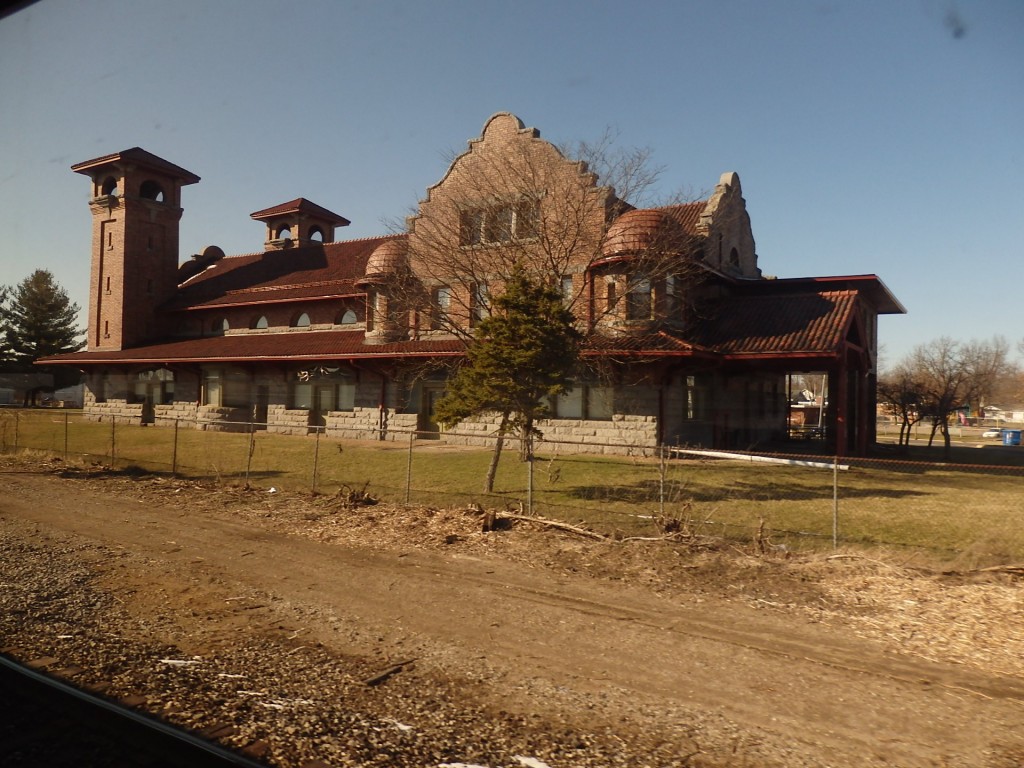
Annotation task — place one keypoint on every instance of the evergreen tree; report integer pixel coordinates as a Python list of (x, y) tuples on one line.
[(38, 319), (6, 353), (522, 354)]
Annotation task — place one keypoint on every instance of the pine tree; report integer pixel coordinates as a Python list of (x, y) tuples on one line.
[(522, 354), (38, 319)]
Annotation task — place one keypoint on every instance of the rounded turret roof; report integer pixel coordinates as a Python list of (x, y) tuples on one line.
[(389, 258), (642, 229)]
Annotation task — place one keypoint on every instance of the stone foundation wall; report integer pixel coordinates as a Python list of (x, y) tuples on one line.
[(122, 410), (622, 435)]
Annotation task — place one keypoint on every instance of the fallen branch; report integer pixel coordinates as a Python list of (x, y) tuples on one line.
[(394, 669), (1017, 570), (861, 557), (559, 525)]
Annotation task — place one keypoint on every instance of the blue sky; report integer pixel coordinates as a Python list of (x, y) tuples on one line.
[(870, 137)]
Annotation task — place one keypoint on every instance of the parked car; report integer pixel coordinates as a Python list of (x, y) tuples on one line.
[(992, 432)]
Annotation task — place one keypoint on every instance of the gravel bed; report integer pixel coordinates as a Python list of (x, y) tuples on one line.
[(282, 702)]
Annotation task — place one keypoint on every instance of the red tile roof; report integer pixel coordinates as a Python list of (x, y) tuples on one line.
[(310, 272), (264, 347), (808, 323), (687, 215), (300, 205), (141, 157), (813, 323)]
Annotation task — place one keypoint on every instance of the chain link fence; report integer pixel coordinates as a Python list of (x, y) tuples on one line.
[(779, 502)]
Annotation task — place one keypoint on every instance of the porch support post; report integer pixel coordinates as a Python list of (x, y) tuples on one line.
[(865, 413), (842, 406)]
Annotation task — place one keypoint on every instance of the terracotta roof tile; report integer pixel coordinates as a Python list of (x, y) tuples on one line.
[(803, 323), (810, 323), (297, 345), (319, 271), (687, 215), (299, 205)]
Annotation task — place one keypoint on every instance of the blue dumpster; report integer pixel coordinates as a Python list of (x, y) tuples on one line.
[(1011, 436)]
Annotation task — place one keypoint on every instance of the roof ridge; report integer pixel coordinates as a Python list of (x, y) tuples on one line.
[(323, 245)]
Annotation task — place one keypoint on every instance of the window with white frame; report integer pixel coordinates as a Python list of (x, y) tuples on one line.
[(441, 304), (501, 223)]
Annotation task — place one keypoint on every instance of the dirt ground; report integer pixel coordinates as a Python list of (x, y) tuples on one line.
[(676, 654)]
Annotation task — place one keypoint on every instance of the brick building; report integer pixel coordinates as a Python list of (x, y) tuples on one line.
[(686, 340)]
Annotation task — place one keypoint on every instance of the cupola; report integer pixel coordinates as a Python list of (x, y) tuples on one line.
[(298, 223)]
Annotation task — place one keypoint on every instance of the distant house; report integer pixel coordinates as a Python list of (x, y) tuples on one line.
[(686, 341), (24, 388), (1011, 414)]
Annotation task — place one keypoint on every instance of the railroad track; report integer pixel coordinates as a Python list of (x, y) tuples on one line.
[(46, 721)]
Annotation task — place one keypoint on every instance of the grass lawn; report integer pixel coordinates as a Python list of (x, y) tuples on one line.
[(954, 510)]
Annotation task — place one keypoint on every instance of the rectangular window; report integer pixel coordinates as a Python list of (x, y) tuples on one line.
[(567, 289), (236, 389), (480, 302), (347, 396), (301, 396), (599, 403), (585, 401), (498, 224), (527, 225), (471, 226), (442, 302), (502, 223), (638, 300), (570, 404), (227, 388)]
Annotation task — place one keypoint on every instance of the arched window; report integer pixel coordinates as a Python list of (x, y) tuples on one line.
[(284, 232), (316, 234), (109, 186), (220, 326), (734, 258), (347, 317), (260, 322), (302, 321), (150, 190)]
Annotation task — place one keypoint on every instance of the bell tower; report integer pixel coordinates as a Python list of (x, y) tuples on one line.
[(136, 207)]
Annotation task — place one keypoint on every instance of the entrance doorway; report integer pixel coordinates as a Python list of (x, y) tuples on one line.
[(324, 399), (426, 424)]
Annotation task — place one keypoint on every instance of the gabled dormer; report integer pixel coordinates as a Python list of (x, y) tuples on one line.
[(297, 223)]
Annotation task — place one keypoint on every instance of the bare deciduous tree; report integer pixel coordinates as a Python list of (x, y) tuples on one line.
[(901, 390), (516, 202), (954, 374)]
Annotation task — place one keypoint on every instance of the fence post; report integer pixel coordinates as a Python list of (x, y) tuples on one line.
[(16, 425), (174, 451), (408, 468), (835, 502), (113, 438), (529, 474), (65, 436), (252, 449), (316, 460), (661, 481)]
